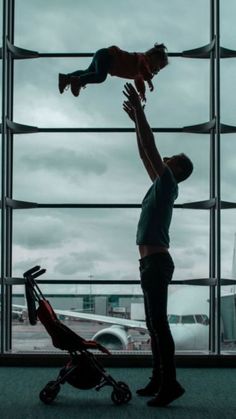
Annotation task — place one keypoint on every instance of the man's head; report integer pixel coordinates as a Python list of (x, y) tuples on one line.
[(158, 57), (180, 165)]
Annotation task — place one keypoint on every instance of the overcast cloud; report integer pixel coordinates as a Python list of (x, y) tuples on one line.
[(96, 168)]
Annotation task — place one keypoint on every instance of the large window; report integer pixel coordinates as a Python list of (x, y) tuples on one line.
[(73, 183)]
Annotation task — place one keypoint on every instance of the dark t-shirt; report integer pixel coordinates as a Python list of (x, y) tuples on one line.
[(157, 208)]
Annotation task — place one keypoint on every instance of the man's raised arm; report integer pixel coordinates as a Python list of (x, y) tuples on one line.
[(147, 164), (144, 131)]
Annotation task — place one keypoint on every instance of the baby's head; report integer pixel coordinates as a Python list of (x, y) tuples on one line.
[(158, 57)]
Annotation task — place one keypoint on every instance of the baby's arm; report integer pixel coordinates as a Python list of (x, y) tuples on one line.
[(150, 85), (146, 74), (140, 86)]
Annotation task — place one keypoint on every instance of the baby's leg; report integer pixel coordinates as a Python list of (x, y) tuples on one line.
[(64, 80), (98, 69), (81, 72)]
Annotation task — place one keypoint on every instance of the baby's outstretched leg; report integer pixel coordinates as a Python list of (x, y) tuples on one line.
[(75, 85), (63, 82)]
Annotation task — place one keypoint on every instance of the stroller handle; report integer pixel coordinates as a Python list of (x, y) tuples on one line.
[(31, 271), (42, 271), (30, 292), (34, 272)]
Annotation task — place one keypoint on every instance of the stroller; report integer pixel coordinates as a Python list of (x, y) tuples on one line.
[(83, 370)]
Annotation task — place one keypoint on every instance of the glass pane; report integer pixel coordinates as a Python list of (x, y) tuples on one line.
[(227, 26), (180, 98), (115, 319), (1, 20), (228, 293), (228, 150), (228, 244), (228, 323), (1, 85), (177, 24), (228, 92), (100, 168), (189, 234), (79, 243)]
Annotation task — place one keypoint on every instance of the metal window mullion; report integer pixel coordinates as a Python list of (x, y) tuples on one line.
[(3, 174), (212, 255), (217, 175), (9, 178)]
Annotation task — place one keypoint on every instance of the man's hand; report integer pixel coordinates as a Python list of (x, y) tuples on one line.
[(129, 110), (132, 96)]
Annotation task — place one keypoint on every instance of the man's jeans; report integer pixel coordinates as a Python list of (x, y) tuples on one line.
[(156, 272)]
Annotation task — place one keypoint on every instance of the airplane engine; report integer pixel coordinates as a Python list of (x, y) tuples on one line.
[(113, 337)]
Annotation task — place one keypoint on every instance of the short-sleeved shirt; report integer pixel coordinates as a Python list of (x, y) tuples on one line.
[(156, 213)]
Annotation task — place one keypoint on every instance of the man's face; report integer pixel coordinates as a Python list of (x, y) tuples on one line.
[(172, 162), (171, 159)]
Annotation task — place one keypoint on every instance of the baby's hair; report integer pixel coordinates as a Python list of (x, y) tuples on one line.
[(161, 51)]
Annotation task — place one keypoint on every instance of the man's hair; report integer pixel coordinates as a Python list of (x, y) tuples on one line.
[(161, 51), (186, 167)]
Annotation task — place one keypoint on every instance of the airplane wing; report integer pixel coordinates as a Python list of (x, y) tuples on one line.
[(133, 324)]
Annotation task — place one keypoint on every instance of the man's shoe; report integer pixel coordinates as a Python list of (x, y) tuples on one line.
[(63, 82), (75, 85), (151, 388), (167, 395)]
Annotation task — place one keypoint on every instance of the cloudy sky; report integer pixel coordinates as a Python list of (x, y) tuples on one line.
[(105, 168)]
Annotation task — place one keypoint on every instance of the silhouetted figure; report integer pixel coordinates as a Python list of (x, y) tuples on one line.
[(137, 66), (156, 265)]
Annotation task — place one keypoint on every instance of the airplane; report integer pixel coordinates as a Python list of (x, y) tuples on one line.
[(190, 331), (17, 314)]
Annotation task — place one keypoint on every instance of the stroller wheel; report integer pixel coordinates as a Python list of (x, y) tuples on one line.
[(123, 395), (49, 392)]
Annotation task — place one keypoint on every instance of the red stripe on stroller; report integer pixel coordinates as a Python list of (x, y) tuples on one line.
[(62, 336)]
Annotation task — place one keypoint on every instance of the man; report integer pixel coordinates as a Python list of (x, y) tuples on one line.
[(156, 265)]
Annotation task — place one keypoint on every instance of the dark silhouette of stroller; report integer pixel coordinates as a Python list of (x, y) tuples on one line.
[(83, 370)]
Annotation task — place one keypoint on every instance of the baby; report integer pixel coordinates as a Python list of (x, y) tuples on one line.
[(112, 60)]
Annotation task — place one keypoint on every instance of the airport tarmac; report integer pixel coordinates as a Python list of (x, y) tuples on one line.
[(35, 338)]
